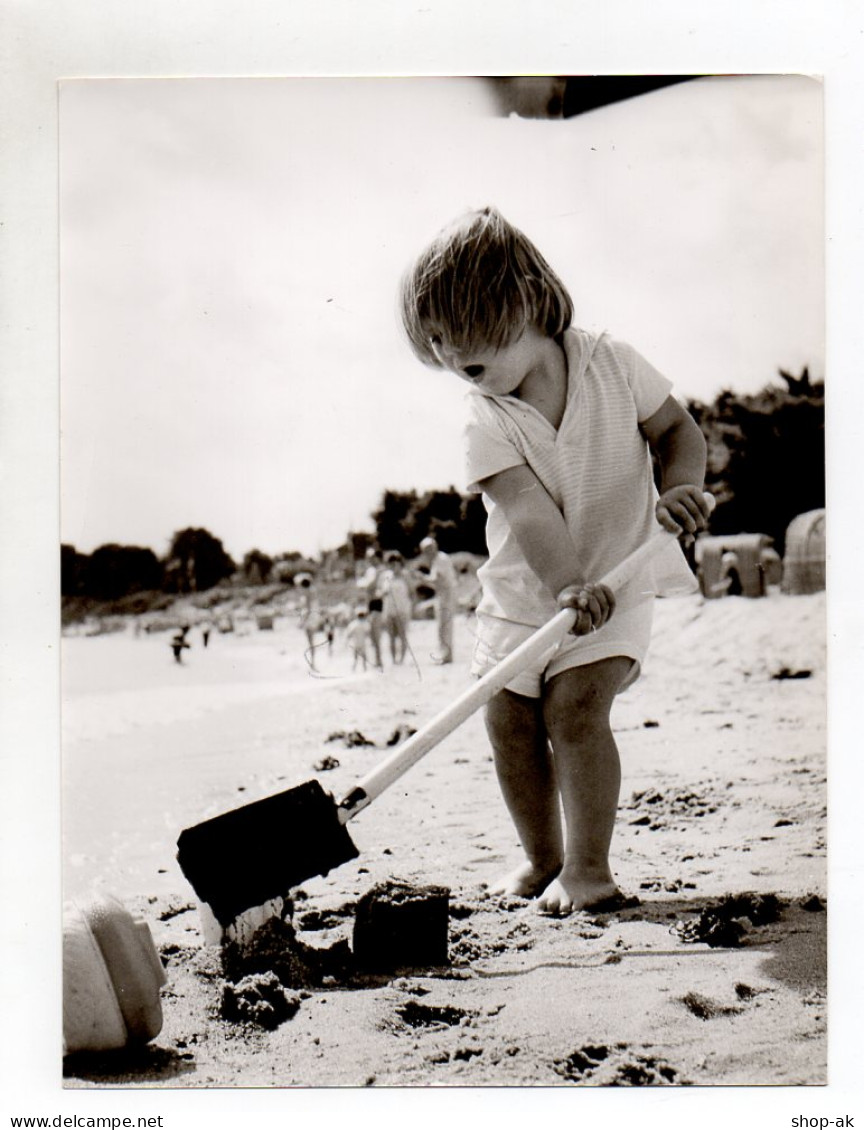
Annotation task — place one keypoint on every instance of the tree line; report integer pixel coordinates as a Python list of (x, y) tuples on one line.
[(766, 464), (766, 455), (195, 561)]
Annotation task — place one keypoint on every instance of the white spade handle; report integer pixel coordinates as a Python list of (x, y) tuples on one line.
[(479, 693)]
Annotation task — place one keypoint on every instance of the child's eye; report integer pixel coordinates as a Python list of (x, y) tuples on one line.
[(473, 371)]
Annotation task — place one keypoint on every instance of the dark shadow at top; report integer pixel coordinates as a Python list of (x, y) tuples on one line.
[(565, 96)]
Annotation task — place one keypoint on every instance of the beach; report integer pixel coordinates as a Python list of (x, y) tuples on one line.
[(710, 972)]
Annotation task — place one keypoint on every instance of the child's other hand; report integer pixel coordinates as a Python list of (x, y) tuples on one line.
[(683, 510), (594, 605)]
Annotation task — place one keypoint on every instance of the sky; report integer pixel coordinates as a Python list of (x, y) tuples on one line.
[(231, 248)]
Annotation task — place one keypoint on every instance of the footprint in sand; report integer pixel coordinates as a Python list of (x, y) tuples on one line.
[(706, 1008), (616, 1066), (418, 1015)]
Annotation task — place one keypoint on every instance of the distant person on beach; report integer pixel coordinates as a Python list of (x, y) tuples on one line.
[(329, 631), (369, 584), (311, 617), (179, 643), (442, 578), (561, 427), (398, 604), (357, 636)]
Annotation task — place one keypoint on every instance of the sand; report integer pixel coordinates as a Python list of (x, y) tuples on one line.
[(714, 974)]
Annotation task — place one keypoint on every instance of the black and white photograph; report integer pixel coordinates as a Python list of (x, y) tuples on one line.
[(429, 571), (363, 382)]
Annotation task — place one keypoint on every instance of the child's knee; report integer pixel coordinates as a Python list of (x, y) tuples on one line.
[(513, 719), (580, 725), (578, 706)]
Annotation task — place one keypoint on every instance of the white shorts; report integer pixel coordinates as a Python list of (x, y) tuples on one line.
[(627, 633)]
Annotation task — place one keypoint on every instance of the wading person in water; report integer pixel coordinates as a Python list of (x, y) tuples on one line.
[(561, 429), (179, 643)]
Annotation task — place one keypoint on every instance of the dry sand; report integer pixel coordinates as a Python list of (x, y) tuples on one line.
[(724, 793)]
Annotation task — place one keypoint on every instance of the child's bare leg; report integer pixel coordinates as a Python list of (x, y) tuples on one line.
[(576, 710), (526, 775)]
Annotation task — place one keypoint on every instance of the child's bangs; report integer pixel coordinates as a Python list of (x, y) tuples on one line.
[(471, 319), (479, 286)]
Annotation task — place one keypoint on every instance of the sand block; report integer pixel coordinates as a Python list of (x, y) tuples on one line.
[(397, 925)]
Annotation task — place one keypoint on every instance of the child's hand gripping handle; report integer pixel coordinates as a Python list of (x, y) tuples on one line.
[(477, 695)]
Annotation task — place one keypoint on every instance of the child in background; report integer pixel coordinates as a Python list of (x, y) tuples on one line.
[(398, 604), (357, 636), (561, 429)]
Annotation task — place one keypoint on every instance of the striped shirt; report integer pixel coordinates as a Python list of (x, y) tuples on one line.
[(596, 467)]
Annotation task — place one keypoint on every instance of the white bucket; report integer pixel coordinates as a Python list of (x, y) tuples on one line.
[(112, 976)]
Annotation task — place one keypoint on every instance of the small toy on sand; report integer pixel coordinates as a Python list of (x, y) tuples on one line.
[(112, 977)]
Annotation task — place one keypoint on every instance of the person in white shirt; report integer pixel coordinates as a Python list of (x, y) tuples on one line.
[(442, 578), (559, 442)]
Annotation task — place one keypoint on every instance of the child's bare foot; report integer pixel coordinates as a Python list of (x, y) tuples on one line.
[(526, 881), (569, 892)]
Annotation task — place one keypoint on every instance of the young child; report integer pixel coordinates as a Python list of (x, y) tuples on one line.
[(357, 636), (398, 604), (561, 429)]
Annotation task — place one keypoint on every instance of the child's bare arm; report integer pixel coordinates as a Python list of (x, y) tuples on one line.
[(539, 528), (674, 436)]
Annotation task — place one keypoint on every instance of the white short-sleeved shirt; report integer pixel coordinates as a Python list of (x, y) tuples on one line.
[(596, 467), (397, 596), (443, 573)]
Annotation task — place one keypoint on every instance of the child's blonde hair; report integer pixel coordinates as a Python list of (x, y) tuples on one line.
[(479, 284)]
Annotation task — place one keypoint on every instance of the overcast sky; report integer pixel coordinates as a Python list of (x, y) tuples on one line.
[(231, 248)]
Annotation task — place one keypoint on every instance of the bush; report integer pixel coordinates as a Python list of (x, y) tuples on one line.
[(766, 456)]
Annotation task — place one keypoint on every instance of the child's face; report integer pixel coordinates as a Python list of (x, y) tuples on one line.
[(496, 372)]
